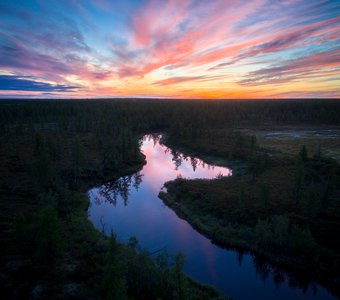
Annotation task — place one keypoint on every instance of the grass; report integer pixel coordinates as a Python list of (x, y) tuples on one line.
[(251, 212), (289, 140), (77, 265)]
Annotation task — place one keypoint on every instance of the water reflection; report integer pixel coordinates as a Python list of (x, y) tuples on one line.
[(121, 187), (265, 270), (131, 207)]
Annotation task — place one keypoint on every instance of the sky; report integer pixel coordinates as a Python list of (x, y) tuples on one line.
[(170, 48)]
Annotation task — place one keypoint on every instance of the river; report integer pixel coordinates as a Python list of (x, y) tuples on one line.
[(130, 207)]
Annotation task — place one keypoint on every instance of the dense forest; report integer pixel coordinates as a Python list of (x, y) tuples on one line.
[(282, 205)]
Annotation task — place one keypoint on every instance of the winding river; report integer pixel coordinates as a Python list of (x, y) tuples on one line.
[(130, 207)]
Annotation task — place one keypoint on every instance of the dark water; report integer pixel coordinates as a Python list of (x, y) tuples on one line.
[(131, 207)]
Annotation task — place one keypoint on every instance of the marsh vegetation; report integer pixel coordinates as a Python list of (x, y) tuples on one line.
[(284, 204)]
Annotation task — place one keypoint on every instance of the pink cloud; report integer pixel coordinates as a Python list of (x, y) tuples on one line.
[(292, 38), (184, 40), (175, 80), (315, 64), (157, 19), (173, 35), (17, 56)]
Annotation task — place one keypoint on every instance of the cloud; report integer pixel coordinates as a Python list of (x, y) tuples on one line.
[(184, 33), (299, 68), (176, 80), (292, 38), (46, 31), (308, 94), (180, 79), (14, 54), (17, 83), (149, 47)]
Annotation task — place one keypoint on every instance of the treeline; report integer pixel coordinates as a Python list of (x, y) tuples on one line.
[(159, 114)]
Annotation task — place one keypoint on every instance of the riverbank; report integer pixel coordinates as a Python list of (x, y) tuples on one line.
[(235, 164), (49, 247), (260, 213)]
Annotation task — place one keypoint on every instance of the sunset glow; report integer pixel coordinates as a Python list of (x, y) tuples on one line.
[(170, 49)]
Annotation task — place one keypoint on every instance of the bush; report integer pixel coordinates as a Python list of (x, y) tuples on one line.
[(38, 236)]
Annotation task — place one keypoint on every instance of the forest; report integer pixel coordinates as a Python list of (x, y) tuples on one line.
[(283, 202)]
